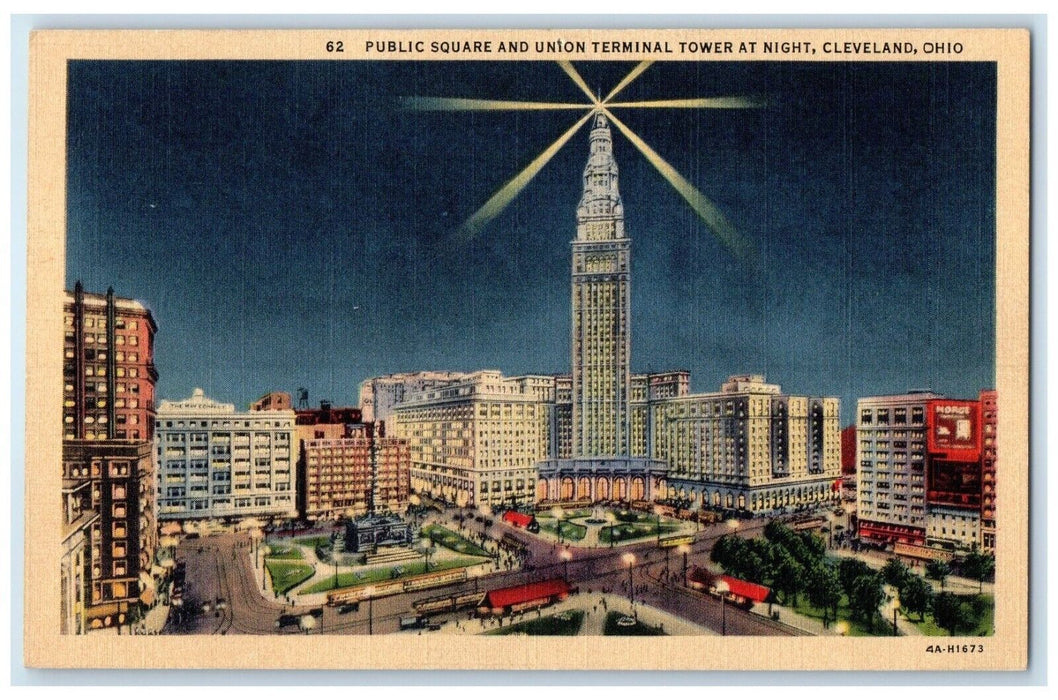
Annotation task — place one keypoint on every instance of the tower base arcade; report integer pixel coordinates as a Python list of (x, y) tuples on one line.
[(601, 479)]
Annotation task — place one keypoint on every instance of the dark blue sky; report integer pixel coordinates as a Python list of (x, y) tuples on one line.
[(289, 225)]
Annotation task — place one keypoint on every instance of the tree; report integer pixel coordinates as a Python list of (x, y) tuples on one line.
[(824, 589), (866, 595), (949, 613), (815, 546), (916, 595), (789, 577), (778, 533), (938, 570), (979, 566), (849, 570), (894, 572)]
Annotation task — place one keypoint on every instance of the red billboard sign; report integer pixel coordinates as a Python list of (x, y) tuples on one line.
[(954, 430)]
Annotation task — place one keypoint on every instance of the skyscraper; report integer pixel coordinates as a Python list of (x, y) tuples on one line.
[(603, 464), (601, 299)]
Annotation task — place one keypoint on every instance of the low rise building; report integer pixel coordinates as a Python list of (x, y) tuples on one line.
[(215, 462)]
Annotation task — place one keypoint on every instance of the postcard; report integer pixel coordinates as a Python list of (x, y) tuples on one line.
[(528, 349)]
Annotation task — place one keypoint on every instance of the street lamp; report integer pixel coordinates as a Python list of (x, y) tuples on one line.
[(559, 514), (566, 556), (685, 549), (722, 588), (612, 519), (895, 605), (629, 559), (370, 593), (842, 627), (426, 545)]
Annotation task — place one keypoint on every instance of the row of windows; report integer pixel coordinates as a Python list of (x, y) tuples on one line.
[(101, 323), (881, 416)]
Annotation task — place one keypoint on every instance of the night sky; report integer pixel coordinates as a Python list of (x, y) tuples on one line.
[(289, 225)]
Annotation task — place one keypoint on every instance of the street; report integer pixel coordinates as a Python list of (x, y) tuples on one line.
[(220, 567)]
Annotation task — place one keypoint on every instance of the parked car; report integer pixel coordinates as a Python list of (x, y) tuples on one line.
[(348, 608)]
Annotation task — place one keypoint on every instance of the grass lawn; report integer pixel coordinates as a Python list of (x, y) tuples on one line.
[(857, 628), (564, 624), (638, 629), (446, 538), (566, 514), (570, 531), (631, 531), (286, 574), (278, 551), (315, 541), (385, 573), (984, 626)]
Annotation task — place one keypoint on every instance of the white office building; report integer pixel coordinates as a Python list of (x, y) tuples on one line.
[(213, 462)]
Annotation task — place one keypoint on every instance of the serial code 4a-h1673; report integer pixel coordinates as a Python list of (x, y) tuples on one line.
[(955, 649)]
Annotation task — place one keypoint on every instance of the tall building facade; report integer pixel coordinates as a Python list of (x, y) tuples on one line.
[(214, 462), (601, 305), (110, 532), (926, 470), (349, 468), (108, 367), (477, 442), (109, 495), (750, 447), (609, 434)]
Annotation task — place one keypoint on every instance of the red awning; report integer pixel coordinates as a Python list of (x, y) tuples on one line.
[(519, 519), (515, 595), (747, 590)]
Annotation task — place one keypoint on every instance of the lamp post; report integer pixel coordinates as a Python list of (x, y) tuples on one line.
[(566, 556), (895, 605), (630, 559), (611, 518), (559, 514), (685, 549), (370, 593), (426, 545), (722, 588)]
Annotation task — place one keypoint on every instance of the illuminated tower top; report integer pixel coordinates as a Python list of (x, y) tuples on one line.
[(600, 214)]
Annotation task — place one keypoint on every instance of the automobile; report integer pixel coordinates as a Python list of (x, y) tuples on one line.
[(221, 604), (286, 620), (839, 511), (192, 536), (433, 627), (348, 608), (411, 623), (206, 607)]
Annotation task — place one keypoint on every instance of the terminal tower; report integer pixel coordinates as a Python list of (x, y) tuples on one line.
[(601, 319), (607, 461)]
